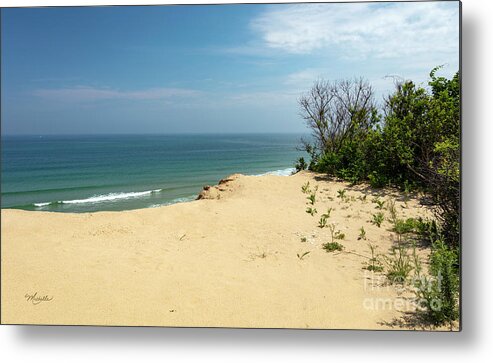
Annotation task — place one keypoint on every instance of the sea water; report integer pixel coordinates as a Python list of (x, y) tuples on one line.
[(122, 172)]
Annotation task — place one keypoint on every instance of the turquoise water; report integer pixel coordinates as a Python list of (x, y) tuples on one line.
[(96, 173)]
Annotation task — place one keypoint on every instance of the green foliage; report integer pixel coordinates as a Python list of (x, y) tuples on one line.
[(335, 234), (413, 143), (312, 211), (322, 223), (399, 265), (339, 235), (392, 210), (311, 198), (301, 164), (362, 233), (332, 246), (374, 263), (438, 293), (302, 255), (341, 193), (305, 188), (405, 226), (303, 239), (380, 204), (378, 219)]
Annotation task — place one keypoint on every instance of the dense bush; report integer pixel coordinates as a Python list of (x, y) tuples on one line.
[(438, 293), (412, 143)]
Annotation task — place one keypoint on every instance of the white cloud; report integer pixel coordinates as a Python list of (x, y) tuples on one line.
[(259, 98), (85, 93), (376, 30), (305, 77)]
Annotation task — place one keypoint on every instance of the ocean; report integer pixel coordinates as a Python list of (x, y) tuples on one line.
[(123, 172)]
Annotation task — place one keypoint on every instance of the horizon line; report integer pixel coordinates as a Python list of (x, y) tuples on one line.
[(160, 133)]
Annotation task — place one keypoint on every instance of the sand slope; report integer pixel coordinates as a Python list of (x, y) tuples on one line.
[(229, 261)]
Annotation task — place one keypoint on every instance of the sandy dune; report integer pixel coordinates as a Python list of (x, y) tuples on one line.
[(227, 261)]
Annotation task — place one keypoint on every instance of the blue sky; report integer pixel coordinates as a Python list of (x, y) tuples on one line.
[(228, 68)]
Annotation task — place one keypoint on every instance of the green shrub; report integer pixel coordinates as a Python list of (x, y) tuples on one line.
[(322, 223), (374, 263), (438, 293), (311, 198), (341, 193), (378, 219), (392, 210), (311, 211), (362, 233), (305, 188), (412, 143), (332, 246), (403, 227), (380, 204), (339, 235), (301, 164), (399, 265)]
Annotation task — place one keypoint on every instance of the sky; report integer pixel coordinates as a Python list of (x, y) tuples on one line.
[(206, 69)]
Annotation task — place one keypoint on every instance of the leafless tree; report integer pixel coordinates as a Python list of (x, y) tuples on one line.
[(337, 111)]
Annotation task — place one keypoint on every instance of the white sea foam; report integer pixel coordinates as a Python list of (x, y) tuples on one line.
[(280, 172), (119, 196), (174, 201), (41, 204), (101, 198)]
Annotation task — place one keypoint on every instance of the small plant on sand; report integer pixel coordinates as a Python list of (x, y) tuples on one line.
[(398, 265), (339, 235), (303, 239), (407, 192), (341, 193), (374, 263), (402, 227), (377, 219), (305, 188), (302, 255), (311, 211), (332, 246), (260, 254), (392, 210), (380, 204), (362, 233), (335, 234), (322, 223), (362, 198), (311, 198)]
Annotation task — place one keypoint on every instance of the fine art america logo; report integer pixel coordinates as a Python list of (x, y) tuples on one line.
[(36, 299), (421, 286)]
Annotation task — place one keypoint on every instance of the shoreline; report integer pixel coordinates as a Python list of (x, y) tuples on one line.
[(231, 258), (127, 196)]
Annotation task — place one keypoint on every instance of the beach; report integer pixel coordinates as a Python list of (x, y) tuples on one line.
[(233, 258)]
